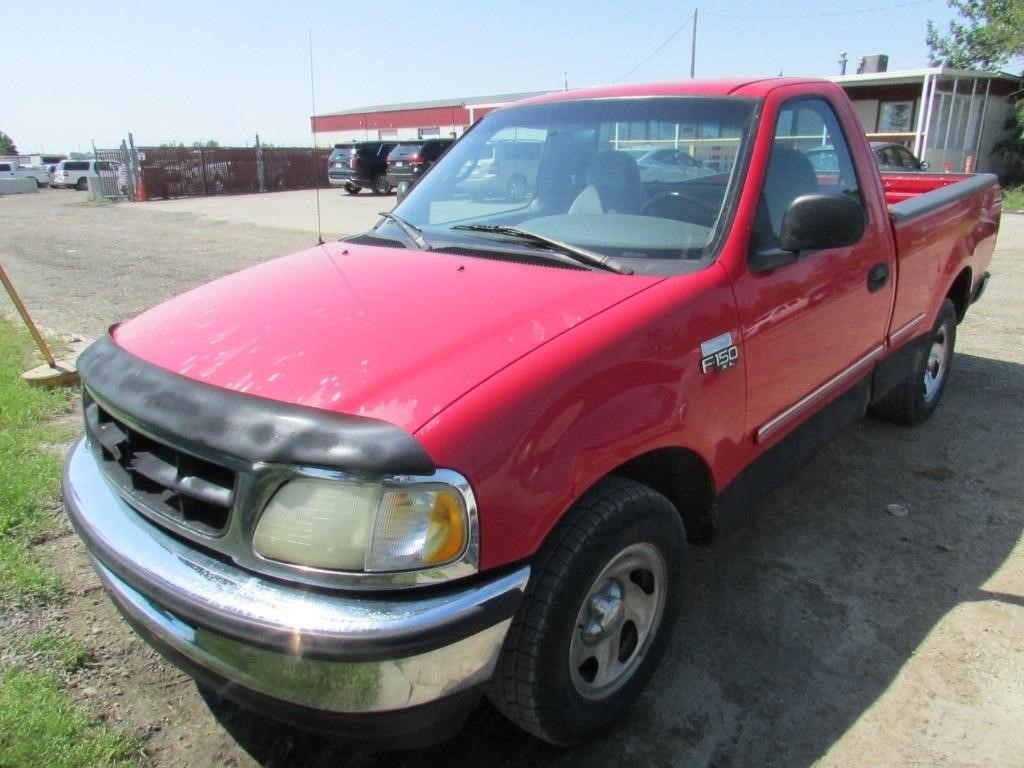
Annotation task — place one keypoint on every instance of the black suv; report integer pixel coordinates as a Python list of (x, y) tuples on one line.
[(410, 160), (361, 165)]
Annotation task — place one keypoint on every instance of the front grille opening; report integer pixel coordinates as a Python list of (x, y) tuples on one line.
[(192, 491)]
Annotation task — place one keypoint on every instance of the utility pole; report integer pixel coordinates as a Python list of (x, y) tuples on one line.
[(693, 45), (842, 63)]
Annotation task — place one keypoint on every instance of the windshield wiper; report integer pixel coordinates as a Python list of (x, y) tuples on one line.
[(413, 232), (580, 255)]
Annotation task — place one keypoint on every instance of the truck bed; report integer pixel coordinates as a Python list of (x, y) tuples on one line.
[(945, 229), (904, 186)]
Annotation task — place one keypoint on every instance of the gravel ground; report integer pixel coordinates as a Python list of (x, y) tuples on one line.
[(819, 629), (80, 266)]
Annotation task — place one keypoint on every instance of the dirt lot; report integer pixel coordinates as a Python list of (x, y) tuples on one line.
[(818, 629)]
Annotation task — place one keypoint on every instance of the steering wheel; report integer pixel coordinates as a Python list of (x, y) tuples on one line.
[(678, 206)]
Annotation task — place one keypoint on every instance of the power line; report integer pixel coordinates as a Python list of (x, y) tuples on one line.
[(655, 51), (851, 12)]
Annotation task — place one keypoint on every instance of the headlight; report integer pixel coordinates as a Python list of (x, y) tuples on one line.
[(366, 527)]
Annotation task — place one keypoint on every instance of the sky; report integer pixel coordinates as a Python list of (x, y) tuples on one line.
[(85, 71)]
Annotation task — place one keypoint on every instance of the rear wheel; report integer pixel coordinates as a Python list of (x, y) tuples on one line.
[(380, 185), (916, 397), (82, 185), (597, 616), (352, 189)]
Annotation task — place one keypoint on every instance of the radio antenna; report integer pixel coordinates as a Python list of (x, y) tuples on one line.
[(312, 130)]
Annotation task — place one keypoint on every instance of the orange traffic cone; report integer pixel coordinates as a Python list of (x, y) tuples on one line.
[(140, 191)]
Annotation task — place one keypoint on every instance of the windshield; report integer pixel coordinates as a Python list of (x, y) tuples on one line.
[(643, 181)]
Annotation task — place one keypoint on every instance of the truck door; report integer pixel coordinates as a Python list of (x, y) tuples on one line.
[(813, 327)]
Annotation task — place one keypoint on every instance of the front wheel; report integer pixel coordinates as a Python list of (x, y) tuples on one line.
[(915, 398), (352, 189), (597, 615)]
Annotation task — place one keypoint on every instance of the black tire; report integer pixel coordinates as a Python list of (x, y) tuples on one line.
[(380, 185), (352, 189), (915, 398), (82, 185), (608, 579), (40, 184), (515, 190)]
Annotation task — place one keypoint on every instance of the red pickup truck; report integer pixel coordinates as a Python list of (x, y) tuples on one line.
[(360, 486)]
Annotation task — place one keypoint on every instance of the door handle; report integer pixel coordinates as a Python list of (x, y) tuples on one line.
[(878, 276)]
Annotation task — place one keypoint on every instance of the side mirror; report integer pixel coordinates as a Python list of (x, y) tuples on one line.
[(923, 165), (816, 222), (813, 223), (401, 191)]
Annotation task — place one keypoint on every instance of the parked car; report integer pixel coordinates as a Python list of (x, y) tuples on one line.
[(505, 169), (896, 157), (410, 160), (75, 174), (14, 171), (361, 166), (667, 164), (361, 486), (888, 157)]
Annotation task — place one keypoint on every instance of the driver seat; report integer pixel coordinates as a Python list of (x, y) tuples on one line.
[(613, 186)]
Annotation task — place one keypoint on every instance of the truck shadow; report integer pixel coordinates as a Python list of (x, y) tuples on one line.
[(799, 615)]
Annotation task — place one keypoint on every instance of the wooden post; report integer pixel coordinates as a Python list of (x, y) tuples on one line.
[(40, 342)]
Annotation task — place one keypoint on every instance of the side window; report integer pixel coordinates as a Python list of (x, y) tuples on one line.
[(806, 129)]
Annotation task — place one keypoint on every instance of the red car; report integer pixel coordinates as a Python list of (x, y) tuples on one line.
[(361, 486)]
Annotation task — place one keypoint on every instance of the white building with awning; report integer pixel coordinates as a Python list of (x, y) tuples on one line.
[(951, 118)]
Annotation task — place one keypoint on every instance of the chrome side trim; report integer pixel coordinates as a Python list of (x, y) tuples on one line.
[(334, 686), (903, 332), (830, 386)]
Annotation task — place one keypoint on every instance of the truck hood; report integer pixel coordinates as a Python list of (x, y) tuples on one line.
[(387, 333)]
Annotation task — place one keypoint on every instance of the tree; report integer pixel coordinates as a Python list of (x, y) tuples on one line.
[(990, 36), (7, 145)]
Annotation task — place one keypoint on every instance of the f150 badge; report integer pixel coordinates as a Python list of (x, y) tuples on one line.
[(718, 354)]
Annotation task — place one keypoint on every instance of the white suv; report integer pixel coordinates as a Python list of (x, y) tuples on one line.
[(76, 173)]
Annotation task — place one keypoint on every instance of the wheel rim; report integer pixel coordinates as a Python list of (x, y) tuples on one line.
[(936, 366), (619, 615)]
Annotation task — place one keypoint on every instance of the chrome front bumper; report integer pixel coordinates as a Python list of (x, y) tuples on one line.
[(328, 651)]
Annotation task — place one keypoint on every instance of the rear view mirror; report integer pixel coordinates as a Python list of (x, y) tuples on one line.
[(401, 191)]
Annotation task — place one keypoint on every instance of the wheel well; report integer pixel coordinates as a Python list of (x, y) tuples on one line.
[(684, 479), (960, 293)]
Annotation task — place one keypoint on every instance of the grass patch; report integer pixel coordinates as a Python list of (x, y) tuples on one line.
[(68, 654), (1013, 199), (31, 461), (24, 580), (40, 726)]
